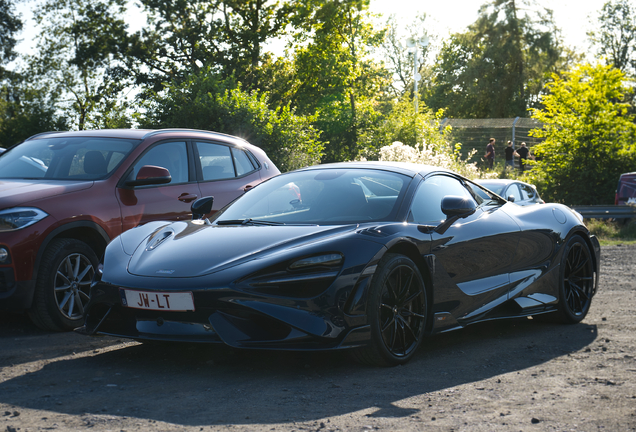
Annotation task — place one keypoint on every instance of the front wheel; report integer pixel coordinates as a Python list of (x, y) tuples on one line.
[(397, 313), (576, 282), (63, 285)]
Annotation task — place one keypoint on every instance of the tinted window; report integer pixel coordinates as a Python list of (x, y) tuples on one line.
[(513, 190), (426, 208), (172, 155), (241, 162), (216, 161), (327, 196), (527, 191), (77, 158)]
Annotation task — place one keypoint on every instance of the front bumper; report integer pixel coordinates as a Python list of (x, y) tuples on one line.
[(233, 318)]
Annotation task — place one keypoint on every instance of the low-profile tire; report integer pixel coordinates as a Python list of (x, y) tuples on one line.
[(63, 284), (397, 312), (576, 282)]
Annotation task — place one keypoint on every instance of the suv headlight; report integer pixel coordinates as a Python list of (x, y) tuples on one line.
[(20, 217)]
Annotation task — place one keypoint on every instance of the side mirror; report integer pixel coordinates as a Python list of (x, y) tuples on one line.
[(150, 175), (511, 198), (201, 207), (454, 206)]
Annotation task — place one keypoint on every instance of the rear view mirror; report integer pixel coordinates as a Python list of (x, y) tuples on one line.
[(150, 175), (511, 198), (457, 206), (201, 207)]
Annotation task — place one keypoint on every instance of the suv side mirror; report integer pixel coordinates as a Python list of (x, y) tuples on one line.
[(511, 198), (150, 175), (201, 207), (454, 206)]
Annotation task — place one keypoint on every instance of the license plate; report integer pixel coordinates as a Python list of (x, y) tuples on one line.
[(157, 300)]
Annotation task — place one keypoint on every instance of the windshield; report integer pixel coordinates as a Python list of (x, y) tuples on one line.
[(78, 158), (328, 196), (495, 187)]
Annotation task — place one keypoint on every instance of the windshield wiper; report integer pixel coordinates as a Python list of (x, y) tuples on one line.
[(248, 221)]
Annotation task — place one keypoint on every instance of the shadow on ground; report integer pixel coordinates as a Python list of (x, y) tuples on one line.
[(206, 385)]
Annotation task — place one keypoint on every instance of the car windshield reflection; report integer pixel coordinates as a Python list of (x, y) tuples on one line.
[(328, 196)]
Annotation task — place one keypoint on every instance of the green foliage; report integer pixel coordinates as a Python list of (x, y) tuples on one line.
[(589, 137), (74, 59), (497, 68), (10, 25), (335, 76), (614, 35), (185, 36), (204, 101), (611, 231), (25, 111)]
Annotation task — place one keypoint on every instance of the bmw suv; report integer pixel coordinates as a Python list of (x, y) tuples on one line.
[(65, 195)]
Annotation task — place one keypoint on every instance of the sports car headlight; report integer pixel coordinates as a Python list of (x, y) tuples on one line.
[(20, 217), (320, 260)]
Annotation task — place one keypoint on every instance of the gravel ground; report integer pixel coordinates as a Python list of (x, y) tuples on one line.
[(522, 375)]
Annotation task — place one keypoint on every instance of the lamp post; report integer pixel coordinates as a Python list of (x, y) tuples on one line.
[(414, 45)]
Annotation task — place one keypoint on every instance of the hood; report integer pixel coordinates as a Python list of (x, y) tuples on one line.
[(22, 192), (186, 249)]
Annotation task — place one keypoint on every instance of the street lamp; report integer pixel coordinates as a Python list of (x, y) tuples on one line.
[(414, 45)]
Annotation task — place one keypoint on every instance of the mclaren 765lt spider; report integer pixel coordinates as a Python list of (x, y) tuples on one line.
[(369, 256)]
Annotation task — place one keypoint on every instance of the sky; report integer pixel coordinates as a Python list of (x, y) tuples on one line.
[(443, 17)]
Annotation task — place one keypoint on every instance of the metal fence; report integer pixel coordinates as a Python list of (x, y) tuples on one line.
[(475, 133)]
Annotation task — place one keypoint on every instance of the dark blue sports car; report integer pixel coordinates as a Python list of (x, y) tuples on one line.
[(368, 256)]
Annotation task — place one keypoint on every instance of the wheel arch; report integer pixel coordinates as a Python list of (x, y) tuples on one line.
[(411, 251), (88, 232)]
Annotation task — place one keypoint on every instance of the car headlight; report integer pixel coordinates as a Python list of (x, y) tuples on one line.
[(20, 217), (327, 260)]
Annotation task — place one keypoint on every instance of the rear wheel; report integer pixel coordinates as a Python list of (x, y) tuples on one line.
[(63, 284), (397, 312), (577, 281)]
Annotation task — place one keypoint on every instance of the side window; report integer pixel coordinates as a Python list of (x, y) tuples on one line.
[(527, 191), (241, 162), (173, 156), (513, 190), (426, 208), (216, 161)]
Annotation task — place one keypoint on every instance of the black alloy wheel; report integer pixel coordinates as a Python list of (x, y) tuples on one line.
[(577, 281), (397, 312)]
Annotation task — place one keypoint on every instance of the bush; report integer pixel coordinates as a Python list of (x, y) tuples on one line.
[(205, 102)]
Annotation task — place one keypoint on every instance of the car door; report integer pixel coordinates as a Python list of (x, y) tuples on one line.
[(224, 171), (171, 201), (473, 254)]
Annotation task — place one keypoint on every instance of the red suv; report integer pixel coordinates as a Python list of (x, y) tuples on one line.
[(65, 195)]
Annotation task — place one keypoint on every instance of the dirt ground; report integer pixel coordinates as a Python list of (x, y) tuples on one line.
[(522, 375)]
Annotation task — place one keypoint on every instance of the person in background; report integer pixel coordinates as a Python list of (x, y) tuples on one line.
[(490, 153), (510, 155), (523, 155)]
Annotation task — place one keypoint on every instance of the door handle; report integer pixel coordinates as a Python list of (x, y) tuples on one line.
[(187, 197), (248, 187)]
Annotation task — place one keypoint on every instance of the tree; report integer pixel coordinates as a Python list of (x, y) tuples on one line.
[(207, 101), (589, 136), (185, 36), (75, 59), (615, 35), (399, 58), (498, 67), (10, 25), (25, 110), (335, 76)]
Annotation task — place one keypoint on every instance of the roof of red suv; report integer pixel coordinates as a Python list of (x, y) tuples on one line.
[(136, 133)]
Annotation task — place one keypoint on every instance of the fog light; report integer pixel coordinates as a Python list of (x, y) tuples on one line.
[(4, 255)]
